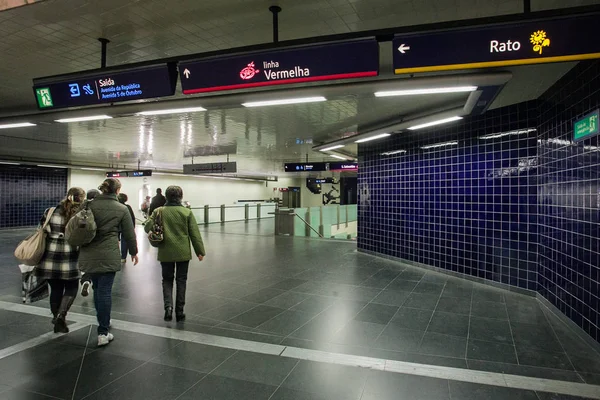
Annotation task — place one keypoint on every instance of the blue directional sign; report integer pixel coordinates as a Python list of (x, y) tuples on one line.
[(531, 42), (112, 86)]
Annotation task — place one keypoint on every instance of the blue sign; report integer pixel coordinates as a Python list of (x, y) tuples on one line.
[(531, 42), (112, 86), (323, 62)]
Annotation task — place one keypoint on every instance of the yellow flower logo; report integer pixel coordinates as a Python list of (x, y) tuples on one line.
[(539, 40)]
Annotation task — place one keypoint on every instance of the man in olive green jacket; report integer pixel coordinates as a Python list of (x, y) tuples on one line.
[(179, 228), (101, 258)]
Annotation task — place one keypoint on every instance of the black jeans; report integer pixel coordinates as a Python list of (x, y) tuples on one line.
[(60, 288), (177, 271)]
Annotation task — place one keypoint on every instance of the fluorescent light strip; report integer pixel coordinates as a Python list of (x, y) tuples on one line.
[(173, 111), (433, 146), (438, 122), (338, 157), (284, 101), (372, 138), (52, 166), (9, 163), (391, 153), (83, 119), (509, 133), (92, 169), (17, 125), (339, 146), (413, 92)]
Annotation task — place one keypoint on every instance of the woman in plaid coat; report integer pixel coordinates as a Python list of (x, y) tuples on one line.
[(59, 264)]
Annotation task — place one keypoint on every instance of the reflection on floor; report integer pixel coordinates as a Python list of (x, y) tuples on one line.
[(293, 292)]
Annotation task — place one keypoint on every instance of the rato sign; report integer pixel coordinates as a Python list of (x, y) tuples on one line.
[(346, 60)]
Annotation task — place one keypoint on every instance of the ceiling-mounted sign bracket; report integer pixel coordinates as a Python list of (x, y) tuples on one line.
[(104, 42)]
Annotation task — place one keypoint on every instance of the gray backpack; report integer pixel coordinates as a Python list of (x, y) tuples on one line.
[(81, 228)]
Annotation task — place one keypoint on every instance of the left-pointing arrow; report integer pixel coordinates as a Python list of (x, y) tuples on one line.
[(186, 72), (403, 48)]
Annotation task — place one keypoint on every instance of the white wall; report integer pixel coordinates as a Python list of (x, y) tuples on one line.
[(198, 191)]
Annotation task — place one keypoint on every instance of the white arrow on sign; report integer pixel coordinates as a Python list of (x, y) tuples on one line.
[(187, 73), (403, 48)]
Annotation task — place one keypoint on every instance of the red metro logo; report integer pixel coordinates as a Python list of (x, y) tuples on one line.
[(249, 71)]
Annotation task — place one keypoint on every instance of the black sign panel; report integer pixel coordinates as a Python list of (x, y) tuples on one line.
[(210, 168), (320, 167), (323, 62), (105, 87), (555, 40), (343, 166), (128, 174)]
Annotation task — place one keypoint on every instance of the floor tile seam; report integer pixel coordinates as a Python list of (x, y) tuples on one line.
[(286, 377), (81, 364), (468, 330), (38, 340), (258, 305), (432, 315), (308, 322)]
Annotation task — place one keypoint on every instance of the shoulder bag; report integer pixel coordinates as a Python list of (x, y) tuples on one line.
[(156, 235), (31, 250)]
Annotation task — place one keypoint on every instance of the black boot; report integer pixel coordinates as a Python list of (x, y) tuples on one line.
[(169, 314), (61, 320), (180, 316), (54, 309)]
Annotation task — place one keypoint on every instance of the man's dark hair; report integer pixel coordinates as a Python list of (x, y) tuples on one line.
[(159, 191), (122, 198), (92, 193), (174, 194)]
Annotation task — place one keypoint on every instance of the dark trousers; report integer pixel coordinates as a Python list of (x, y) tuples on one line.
[(124, 247), (177, 271), (103, 284), (60, 288)]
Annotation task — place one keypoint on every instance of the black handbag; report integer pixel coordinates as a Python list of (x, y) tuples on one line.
[(156, 236)]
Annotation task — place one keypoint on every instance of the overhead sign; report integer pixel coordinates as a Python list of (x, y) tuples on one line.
[(586, 126), (210, 168), (323, 62), (128, 174), (105, 87), (320, 167), (555, 40)]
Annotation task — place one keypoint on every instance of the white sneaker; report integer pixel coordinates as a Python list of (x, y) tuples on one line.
[(124, 261), (103, 340), (85, 289)]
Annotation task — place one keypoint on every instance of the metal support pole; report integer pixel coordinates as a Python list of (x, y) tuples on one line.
[(258, 211), (104, 43), (206, 214), (222, 213), (247, 212), (307, 227), (321, 228), (275, 10), (526, 6)]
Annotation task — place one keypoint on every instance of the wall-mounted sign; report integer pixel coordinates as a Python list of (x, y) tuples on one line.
[(555, 40), (85, 89), (210, 168), (128, 174), (586, 127), (320, 167), (323, 62), (216, 150)]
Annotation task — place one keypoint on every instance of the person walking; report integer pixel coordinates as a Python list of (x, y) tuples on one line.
[(174, 253), (123, 200), (101, 258), (157, 201), (59, 263), (86, 280)]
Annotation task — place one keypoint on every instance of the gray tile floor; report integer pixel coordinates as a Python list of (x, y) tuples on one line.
[(303, 293)]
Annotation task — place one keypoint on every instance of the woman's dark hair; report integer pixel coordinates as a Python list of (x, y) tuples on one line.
[(71, 203), (122, 198), (174, 194), (110, 186)]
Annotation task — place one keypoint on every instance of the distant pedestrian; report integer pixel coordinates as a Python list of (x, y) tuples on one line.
[(157, 201), (146, 207), (59, 263), (174, 253), (102, 257), (123, 200)]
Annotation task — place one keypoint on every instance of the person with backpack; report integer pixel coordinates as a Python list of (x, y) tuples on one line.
[(86, 280), (179, 228), (59, 262), (101, 258), (123, 200)]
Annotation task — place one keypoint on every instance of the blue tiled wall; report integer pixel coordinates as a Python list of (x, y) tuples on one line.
[(569, 190), (26, 192), (521, 209)]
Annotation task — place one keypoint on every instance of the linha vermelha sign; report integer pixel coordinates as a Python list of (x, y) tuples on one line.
[(586, 127)]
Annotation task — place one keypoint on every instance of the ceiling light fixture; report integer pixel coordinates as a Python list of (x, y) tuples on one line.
[(92, 169), (391, 153), (52, 166), (173, 111), (413, 92), (438, 122), (372, 138), (338, 157), (9, 163), (17, 125), (339, 146), (433, 146), (509, 133), (83, 119), (284, 101)]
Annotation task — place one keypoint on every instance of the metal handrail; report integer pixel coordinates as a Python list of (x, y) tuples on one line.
[(309, 225)]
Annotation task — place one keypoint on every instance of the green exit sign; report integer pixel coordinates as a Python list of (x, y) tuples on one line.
[(586, 126)]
